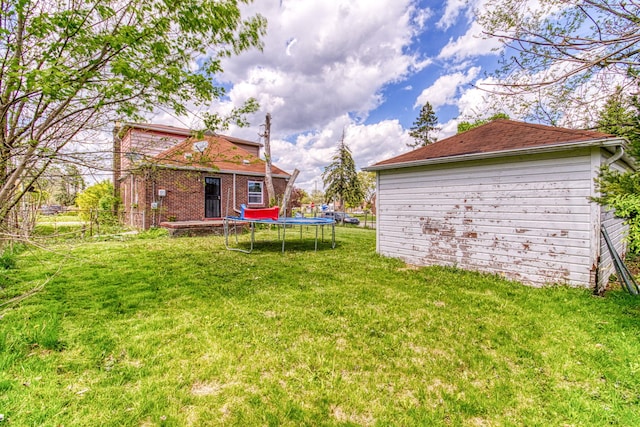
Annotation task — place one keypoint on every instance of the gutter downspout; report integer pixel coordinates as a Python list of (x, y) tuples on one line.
[(234, 193), (132, 179), (616, 156)]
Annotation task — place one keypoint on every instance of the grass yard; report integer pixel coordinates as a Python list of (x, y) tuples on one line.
[(177, 332)]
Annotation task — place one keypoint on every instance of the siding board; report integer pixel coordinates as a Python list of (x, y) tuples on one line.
[(504, 217)]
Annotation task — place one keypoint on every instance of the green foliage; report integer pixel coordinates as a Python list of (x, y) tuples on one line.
[(368, 186), (621, 190), (183, 332), (97, 198), (68, 68), (425, 125), (7, 260), (465, 126), (621, 116), (628, 206), (69, 186), (340, 177)]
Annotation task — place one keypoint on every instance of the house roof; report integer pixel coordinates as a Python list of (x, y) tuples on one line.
[(184, 132), (214, 153), (498, 138)]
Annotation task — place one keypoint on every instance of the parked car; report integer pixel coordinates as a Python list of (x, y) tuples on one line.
[(341, 217), (51, 209)]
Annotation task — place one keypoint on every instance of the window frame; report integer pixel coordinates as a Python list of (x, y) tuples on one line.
[(255, 193)]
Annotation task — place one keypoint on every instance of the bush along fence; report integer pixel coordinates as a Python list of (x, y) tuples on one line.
[(77, 223)]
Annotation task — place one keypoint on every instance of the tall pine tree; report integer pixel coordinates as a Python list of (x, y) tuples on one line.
[(424, 127), (340, 177)]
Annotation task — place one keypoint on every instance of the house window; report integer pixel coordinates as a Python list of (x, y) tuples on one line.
[(255, 192)]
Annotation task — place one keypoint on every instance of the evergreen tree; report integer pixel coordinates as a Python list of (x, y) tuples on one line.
[(621, 190), (424, 127), (465, 126), (621, 117), (340, 177)]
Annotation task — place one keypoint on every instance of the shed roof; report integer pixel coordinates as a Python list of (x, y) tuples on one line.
[(499, 137), (214, 153)]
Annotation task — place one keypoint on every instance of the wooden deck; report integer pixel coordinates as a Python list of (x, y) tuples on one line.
[(198, 228)]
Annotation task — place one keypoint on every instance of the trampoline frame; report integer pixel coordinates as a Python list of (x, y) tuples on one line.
[(281, 222)]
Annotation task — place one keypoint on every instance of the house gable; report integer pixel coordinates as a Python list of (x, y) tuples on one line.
[(213, 153), (161, 173)]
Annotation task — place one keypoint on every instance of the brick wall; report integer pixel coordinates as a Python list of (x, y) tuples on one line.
[(145, 142), (184, 199)]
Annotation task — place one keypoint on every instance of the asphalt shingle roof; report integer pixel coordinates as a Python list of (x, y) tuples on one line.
[(218, 153), (496, 136)]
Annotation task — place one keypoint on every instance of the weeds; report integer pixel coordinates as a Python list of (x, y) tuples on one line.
[(181, 331)]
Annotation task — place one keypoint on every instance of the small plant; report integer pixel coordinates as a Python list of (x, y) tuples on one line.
[(8, 256), (153, 233), (7, 260)]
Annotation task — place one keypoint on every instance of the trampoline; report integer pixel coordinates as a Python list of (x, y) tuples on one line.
[(253, 217)]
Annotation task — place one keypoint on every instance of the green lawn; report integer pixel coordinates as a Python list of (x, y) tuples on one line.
[(183, 332)]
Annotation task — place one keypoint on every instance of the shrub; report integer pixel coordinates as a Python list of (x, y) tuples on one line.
[(98, 198)]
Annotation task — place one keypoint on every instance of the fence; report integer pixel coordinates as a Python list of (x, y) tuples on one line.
[(61, 224)]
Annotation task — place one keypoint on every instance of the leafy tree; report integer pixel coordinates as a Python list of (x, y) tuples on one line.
[(562, 41), (368, 186), (465, 126), (621, 116), (97, 198), (70, 68), (316, 197), (425, 125), (563, 55), (340, 177), (621, 190), (62, 183), (296, 197), (69, 186)]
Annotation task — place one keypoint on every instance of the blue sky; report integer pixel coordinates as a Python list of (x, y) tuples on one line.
[(364, 67)]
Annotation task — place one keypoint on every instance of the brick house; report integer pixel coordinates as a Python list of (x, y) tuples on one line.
[(163, 173)]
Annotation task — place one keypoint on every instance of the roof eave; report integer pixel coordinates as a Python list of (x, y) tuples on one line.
[(604, 142), (215, 170)]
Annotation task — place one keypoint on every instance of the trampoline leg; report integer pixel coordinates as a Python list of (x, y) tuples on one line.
[(316, 238), (333, 236), (284, 235)]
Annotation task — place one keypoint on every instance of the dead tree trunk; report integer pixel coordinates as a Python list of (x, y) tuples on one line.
[(287, 191), (268, 179)]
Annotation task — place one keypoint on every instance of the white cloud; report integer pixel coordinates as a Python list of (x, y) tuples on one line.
[(324, 67), (451, 13), (323, 59), (421, 17), (314, 150), (445, 89), (472, 44)]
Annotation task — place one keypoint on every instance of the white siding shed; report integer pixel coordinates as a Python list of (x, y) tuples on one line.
[(508, 198)]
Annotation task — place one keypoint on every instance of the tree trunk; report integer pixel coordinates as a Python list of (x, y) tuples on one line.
[(287, 191), (268, 179)]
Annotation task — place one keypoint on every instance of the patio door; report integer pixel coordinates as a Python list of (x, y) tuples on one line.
[(212, 193)]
